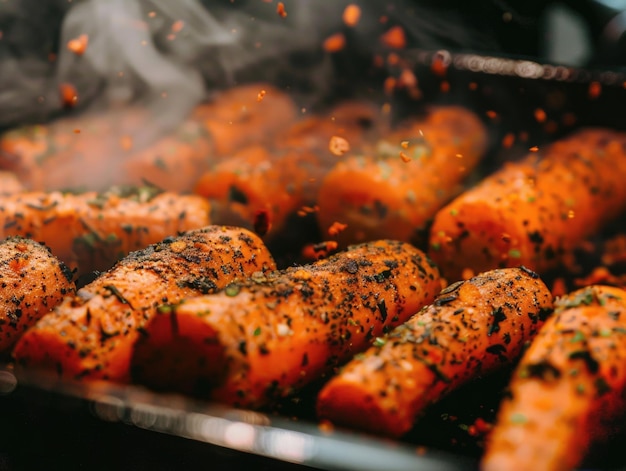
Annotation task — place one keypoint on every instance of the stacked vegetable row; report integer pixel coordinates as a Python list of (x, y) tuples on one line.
[(202, 308)]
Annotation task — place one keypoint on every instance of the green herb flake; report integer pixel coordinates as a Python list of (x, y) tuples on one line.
[(578, 337), (518, 418), (454, 212), (515, 253), (436, 246), (232, 290), (164, 309), (379, 342), (257, 332), (605, 332), (585, 297)]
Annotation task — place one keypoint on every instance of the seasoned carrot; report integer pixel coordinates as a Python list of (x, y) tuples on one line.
[(32, 283), (396, 193), (9, 183), (91, 231), (356, 122), (568, 386), (236, 118), (91, 335), (286, 176), (536, 211), (173, 162), (20, 151), (257, 179), (257, 341), (92, 152), (473, 327)]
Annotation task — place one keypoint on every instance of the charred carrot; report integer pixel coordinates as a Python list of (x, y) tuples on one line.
[(396, 193), (32, 283), (472, 328), (236, 118), (91, 231), (257, 341), (567, 387), (9, 183), (91, 335), (536, 211)]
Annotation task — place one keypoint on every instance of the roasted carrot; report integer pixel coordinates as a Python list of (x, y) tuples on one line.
[(259, 340), (417, 169), (32, 283), (567, 388), (257, 179), (536, 211), (282, 178), (9, 183), (356, 122), (236, 118), (473, 327), (173, 162), (20, 151), (91, 231), (93, 152), (91, 335)]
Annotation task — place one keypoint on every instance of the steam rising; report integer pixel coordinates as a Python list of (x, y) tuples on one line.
[(164, 57)]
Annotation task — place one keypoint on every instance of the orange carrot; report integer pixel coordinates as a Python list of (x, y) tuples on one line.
[(567, 388), (259, 340), (390, 196), (283, 179), (91, 335), (91, 231), (356, 122), (236, 118), (9, 183), (546, 205), (32, 283), (256, 179), (91, 152), (472, 328)]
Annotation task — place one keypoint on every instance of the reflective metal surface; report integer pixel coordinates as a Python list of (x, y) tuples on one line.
[(251, 432)]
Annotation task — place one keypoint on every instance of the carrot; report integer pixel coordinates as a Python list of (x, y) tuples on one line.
[(536, 211), (91, 335), (91, 231), (568, 386), (236, 118), (474, 327), (257, 179), (9, 183), (173, 162), (93, 152), (387, 195), (282, 178), (356, 122), (20, 151), (32, 283), (260, 340)]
